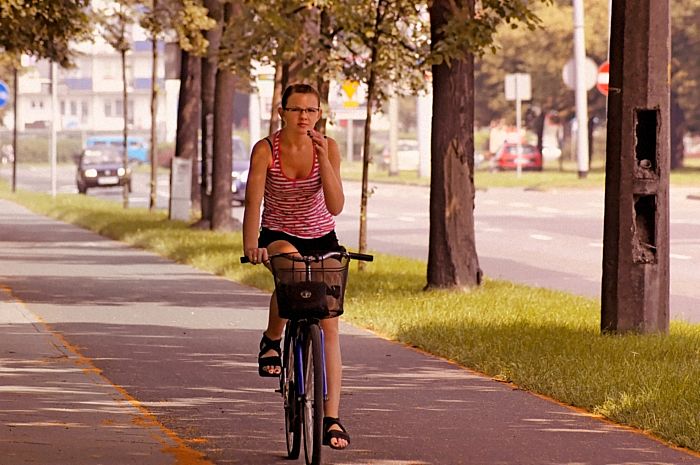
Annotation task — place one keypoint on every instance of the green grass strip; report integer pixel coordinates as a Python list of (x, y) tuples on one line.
[(544, 341)]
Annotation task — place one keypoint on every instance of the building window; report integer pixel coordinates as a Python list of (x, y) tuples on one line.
[(73, 108), (63, 107), (84, 108), (108, 108), (119, 107)]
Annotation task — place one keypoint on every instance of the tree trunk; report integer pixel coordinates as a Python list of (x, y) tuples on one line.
[(223, 122), (452, 258), (364, 194), (276, 98), (188, 116), (209, 66), (154, 121), (323, 85), (324, 89), (125, 113), (678, 128)]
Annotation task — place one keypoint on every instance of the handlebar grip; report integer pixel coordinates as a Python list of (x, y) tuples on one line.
[(361, 256), (245, 260)]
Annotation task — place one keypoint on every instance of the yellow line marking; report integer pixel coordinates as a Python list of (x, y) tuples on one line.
[(183, 454)]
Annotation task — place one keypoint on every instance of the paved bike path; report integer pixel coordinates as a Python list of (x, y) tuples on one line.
[(110, 354)]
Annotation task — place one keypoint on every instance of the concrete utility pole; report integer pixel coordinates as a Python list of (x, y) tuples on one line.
[(635, 290)]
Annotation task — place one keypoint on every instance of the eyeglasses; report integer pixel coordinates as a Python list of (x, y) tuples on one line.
[(309, 111)]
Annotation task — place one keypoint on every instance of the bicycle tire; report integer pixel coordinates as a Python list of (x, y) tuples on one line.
[(292, 404), (313, 399)]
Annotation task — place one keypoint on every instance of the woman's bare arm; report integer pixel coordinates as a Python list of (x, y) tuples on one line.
[(260, 160)]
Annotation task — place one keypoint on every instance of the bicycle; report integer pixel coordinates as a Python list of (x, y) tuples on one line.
[(308, 289)]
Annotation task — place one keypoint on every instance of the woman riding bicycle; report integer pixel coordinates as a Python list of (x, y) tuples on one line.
[(296, 171)]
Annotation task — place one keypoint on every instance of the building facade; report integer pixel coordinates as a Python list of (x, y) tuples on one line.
[(90, 96)]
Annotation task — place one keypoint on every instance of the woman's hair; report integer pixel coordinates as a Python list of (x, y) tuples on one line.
[(299, 89)]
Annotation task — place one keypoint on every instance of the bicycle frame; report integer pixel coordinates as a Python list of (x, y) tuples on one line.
[(307, 300)]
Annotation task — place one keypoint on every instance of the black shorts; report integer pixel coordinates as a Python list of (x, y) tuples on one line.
[(318, 245)]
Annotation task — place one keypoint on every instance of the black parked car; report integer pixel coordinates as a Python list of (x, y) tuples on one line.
[(239, 172), (101, 167)]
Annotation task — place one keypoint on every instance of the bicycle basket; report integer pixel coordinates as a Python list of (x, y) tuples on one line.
[(317, 293)]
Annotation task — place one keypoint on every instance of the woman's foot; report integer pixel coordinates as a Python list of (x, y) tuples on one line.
[(334, 434), (270, 357)]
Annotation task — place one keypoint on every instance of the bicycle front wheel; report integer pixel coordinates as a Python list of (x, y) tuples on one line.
[(292, 404), (313, 400)]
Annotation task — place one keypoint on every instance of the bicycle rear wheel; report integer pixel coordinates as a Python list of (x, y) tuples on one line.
[(313, 400), (292, 404)]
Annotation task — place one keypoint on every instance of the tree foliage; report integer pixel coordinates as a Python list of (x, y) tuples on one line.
[(541, 52), (189, 21), (115, 22), (43, 28), (271, 33), (685, 66), (388, 40)]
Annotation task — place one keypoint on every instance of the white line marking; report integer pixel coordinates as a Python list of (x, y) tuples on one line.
[(680, 257), (541, 237), (408, 219)]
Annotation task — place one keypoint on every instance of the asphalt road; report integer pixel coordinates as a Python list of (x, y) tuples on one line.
[(549, 238), (145, 361)]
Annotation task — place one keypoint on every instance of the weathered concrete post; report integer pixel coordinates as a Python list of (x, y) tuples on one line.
[(635, 289)]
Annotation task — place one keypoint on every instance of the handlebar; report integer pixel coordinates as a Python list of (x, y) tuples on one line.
[(317, 258)]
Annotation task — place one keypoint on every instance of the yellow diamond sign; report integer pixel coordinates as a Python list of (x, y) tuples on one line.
[(349, 87)]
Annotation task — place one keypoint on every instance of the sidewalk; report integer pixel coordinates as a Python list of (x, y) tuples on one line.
[(113, 355)]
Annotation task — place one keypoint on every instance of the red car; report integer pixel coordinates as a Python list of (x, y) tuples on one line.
[(507, 157)]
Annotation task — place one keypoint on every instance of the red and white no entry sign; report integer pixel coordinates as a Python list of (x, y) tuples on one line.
[(603, 78)]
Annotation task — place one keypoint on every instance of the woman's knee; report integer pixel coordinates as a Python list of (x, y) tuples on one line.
[(330, 327), (278, 247)]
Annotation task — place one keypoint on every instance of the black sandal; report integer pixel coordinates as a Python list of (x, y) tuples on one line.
[(274, 361), (329, 434)]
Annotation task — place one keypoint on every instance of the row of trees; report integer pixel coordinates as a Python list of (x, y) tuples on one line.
[(387, 44), (390, 45)]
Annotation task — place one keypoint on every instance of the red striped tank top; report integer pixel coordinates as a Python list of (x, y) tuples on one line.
[(295, 206)]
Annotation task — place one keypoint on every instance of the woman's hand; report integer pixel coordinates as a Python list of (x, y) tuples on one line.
[(328, 157), (320, 144), (257, 255)]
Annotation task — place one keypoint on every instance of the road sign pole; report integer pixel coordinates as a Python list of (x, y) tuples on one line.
[(424, 114), (15, 78), (393, 135), (54, 124), (581, 94), (349, 143), (518, 116), (518, 88)]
